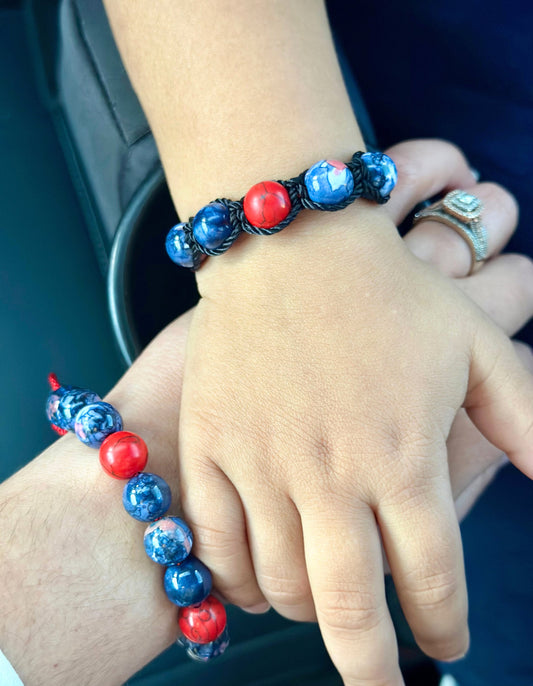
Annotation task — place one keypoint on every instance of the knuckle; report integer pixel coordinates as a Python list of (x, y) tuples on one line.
[(413, 467), (452, 147), (451, 150), (409, 171), (240, 594), (411, 494), (506, 202), (419, 462), (286, 592), (433, 592), (407, 154), (344, 614), (322, 450), (407, 440), (217, 544), (523, 266)]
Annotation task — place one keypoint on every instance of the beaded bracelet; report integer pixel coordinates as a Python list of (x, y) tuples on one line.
[(147, 497), (269, 206)]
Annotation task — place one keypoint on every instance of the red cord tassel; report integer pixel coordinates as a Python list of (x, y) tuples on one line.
[(58, 430), (54, 383)]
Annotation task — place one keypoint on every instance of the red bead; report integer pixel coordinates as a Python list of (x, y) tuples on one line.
[(123, 454), (266, 204), (204, 622)]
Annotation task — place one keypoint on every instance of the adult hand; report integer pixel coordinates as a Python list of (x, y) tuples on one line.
[(313, 412), (502, 288)]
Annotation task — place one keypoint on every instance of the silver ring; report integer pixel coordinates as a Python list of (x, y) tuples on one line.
[(461, 211)]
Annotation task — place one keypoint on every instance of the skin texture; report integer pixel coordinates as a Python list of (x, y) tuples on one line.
[(331, 395), (81, 603), (340, 413)]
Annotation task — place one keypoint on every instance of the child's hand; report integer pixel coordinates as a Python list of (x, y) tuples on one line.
[(67, 549), (317, 402)]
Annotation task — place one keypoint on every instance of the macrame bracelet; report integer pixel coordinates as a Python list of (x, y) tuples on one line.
[(269, 206), (147, 497)]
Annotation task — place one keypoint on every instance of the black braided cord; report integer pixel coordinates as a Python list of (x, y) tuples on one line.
[(299, 197)]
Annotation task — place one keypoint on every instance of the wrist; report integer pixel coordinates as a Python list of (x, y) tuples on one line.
[(268, 207), (318, 245), (80, 599), (226, 169)]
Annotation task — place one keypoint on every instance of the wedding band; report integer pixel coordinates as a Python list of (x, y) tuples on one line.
[(461, 211)]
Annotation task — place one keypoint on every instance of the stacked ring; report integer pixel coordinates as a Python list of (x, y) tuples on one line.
[(147, 498), (461, 211)]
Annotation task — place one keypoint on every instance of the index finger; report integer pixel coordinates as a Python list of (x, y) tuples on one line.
[(426, 167)]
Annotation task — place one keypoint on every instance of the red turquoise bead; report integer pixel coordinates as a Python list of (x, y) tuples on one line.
[(266, 204), (204, 622), (123, 454)]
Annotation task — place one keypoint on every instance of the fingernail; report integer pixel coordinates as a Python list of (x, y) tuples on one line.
[(475, 174), (258, 609)]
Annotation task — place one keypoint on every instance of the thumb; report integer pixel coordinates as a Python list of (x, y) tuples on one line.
[(500, 396)]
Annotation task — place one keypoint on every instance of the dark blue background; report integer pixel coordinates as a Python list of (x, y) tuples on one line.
[(462, 70)]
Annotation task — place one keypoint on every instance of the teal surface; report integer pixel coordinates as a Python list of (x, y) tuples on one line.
[(266, 650), (53, 312)]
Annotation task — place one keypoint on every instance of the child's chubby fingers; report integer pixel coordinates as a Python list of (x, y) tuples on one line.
[(215, 513), (423, 545), (344, 561), (500, 395), (276, 543), (209, 502), (473, 461), (250, 540)]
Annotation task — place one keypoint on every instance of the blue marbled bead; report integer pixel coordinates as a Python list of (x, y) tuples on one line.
[(383, 173), (179, 249), (203, 652), (211, 225), (95, 422), (70, 403), (168, 541), (146, 497), (188, 583), (328, 182), (52, 404)]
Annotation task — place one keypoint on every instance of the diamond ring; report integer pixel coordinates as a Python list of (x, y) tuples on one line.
[(461, 211)]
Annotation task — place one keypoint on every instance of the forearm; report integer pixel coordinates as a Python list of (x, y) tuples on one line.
[(81, 602), (237, 92)]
